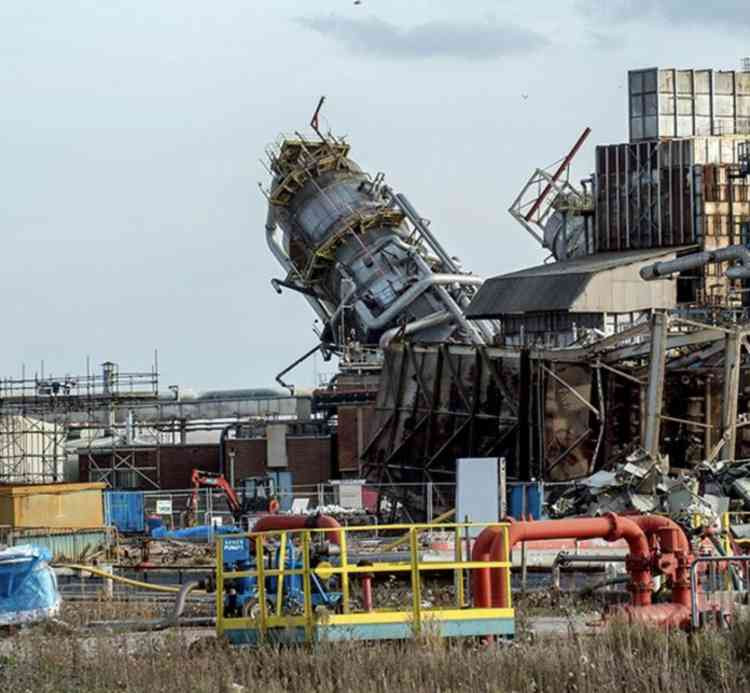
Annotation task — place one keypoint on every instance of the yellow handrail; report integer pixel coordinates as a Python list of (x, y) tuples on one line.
[(308, 619), (405, 538)]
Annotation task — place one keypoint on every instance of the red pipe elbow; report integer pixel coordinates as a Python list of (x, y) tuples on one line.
[(269, 523)]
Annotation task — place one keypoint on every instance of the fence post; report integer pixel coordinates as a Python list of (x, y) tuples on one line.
[(416, 587)]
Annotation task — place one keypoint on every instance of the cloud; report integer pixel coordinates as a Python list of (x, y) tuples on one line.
[(470, 41), (727, 13)]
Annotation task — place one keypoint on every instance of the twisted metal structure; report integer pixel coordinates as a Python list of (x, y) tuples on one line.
[(364, 259)]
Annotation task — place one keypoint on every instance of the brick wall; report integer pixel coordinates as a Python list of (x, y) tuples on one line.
[(309, 460)]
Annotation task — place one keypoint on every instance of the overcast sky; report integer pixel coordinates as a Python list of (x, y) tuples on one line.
[(131, 132)]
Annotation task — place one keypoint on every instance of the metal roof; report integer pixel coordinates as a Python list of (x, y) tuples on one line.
[(551, 287)]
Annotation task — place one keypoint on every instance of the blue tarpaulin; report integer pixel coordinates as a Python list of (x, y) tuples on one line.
[(199, 533), (28, 586)]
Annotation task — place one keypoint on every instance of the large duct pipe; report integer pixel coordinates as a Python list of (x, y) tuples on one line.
[(270, 523), (420, 287), (737, 253), (406, 207), (439, 318)]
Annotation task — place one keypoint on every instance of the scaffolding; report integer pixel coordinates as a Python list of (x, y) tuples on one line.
[(39, 414)]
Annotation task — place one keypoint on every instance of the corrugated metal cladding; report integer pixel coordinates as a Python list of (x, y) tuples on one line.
[(70, 545), (644, 195), (31, 451), (124, 510), (684, 103)]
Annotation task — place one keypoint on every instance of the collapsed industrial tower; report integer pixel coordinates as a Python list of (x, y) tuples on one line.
[(365, 261), (565, 367)]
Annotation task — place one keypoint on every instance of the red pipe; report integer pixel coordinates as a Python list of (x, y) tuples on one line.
[(269, 523), (610, 527), (668, 615), (485, 584), (676, 555), (366, 579)]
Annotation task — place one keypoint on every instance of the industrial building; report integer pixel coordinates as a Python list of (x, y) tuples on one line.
[(550, 367)]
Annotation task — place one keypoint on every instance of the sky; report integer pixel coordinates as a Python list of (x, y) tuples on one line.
[(131, 133)]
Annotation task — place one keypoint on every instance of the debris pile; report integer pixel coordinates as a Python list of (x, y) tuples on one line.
[(646, 485)]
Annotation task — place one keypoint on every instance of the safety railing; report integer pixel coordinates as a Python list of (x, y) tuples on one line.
[(727, 520), (271, 615), (695, 612)]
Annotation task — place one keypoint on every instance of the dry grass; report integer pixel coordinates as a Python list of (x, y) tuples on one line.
[(618, 659)]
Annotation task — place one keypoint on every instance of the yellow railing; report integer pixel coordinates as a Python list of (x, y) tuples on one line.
[(726, 524), (310, 619)]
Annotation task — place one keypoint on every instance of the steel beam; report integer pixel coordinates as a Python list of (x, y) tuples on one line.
[(732, 356), (655, 390)]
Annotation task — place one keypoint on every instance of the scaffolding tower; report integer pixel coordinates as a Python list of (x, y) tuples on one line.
[(37, 415)]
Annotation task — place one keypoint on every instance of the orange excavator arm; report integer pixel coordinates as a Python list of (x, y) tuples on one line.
[(200, 478)]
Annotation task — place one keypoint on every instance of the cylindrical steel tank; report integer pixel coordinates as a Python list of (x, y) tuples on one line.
[(360, 254)]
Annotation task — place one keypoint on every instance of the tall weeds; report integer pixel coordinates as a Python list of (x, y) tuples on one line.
[(617, 659)]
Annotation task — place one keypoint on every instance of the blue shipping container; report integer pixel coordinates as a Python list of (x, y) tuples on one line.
[(124, 510), (534, 492)]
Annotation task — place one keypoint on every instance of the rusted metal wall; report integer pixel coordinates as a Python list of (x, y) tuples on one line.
[(722, 206), (439, 403), (644, 195), (569, 440)]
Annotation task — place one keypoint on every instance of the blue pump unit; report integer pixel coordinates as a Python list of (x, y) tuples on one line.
[(242, 593)]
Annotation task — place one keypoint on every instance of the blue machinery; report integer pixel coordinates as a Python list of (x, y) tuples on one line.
[(274, 586)]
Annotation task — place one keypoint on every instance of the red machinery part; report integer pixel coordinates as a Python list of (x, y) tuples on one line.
[(666, 615), (269, 523), (610, 527), (673, 558)]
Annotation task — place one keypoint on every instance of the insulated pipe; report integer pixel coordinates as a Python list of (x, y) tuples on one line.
[(222, 445), (458, 314), (269, 523), (416, 290), (456, 310), (281, 255), (406, 207), (433, 320), (738, 253), (610, 527)]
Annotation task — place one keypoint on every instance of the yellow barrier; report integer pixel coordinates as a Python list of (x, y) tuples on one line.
[(312, 624)]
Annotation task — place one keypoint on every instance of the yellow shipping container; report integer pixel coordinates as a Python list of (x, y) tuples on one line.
[(70, 506)]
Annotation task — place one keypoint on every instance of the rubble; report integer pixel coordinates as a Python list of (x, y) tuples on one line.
[(644, 485)]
